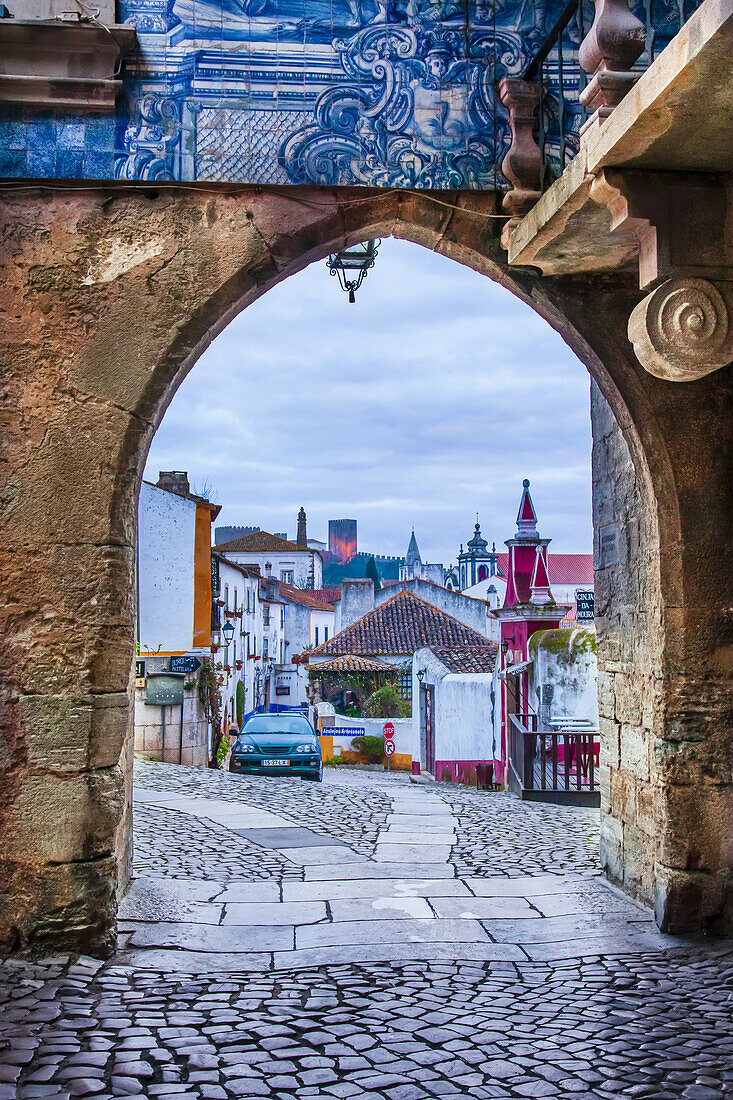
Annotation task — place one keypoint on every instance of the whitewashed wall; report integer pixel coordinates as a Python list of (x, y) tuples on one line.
[(297, 561), (373, 727), (166, 529), (566, 659)]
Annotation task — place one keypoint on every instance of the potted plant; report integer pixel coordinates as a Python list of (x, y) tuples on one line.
[(238, 664)]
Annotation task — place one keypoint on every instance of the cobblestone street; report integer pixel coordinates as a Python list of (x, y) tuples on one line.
[(374, 939)]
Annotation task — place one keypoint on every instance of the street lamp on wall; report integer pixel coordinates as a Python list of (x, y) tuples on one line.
[(505, 644), (228, 632), (357, 260), (421, 674)]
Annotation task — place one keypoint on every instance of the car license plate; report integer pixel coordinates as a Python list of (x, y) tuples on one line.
[(277, 763)]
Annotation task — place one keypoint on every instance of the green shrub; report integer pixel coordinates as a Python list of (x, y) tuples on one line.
[(371, 747), (385, 702), (240, 704)]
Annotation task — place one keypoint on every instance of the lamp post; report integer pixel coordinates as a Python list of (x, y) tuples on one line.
[(359, 260)]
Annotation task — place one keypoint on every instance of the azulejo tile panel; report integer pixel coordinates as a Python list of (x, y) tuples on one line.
[(389, 93)]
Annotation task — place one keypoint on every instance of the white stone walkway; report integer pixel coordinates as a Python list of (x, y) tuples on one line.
[(403, 904)]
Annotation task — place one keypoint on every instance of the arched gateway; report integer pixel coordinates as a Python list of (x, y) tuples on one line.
[(110, 296)]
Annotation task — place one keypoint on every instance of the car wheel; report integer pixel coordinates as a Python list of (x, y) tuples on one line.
[(316, 777)]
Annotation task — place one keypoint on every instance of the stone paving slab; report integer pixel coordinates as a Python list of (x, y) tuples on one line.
[(288, 837), (398, 953), (399, 836), (544, 930), (369, 870), (483, 908), (449, 932), (373, 888), (381, 908), (274, 913), (173, 961), (417, 821), (150, 902), (186, 889), (525, 886), (386, 852), (327, 855), (251, 891), (197, 937)]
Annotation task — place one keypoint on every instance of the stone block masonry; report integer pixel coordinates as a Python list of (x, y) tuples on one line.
[(168, 268)]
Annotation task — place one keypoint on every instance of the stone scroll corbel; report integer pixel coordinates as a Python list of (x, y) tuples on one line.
[(683, 330)]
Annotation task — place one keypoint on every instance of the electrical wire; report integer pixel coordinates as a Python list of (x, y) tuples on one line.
[(237, 189)]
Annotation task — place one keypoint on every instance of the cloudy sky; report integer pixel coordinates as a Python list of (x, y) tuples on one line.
[(426, 401)]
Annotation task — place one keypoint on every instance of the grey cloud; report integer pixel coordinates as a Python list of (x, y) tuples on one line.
[(428, 400)]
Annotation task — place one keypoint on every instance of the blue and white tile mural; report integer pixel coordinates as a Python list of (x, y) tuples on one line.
[(389, 93), (392, 93)]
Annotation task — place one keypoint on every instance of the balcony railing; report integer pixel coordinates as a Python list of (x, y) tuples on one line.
[(586, 63), (555, 764)]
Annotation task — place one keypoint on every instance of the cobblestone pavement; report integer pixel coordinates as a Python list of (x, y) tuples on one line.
[(398, 962), (169, 843), (347, 807), (552, 837)]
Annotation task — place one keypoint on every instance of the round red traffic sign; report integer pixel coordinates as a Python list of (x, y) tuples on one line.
[(388, 729), (389, 747)]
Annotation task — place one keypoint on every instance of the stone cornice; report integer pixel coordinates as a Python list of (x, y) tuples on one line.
[(49, 63)]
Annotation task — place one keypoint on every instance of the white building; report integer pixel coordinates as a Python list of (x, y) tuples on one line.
[(288, 562), (308, 622), (173, 619)]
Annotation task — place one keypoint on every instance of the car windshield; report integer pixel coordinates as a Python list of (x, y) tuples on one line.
[(279, 724)]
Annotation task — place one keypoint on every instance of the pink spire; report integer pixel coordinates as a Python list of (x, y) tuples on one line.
[(541, 591), (526, 516)]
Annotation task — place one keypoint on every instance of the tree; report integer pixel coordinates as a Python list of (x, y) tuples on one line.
[(240, 704), (372, 574)]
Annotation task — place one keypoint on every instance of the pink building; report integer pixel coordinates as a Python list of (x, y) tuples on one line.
[(528, 606)]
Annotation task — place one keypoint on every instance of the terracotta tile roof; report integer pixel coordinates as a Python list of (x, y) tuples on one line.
[(401, 625), (351, 662), (467, 658), (261, 542), (563, 568), (304, 597)]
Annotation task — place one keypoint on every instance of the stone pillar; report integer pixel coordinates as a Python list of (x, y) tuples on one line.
[(522, 163), (613, 43)]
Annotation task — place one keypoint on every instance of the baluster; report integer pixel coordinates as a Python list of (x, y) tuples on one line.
[(522, 163), (612, 45)]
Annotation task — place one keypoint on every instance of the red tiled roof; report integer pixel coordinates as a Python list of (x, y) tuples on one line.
[(304, 597), (564, 568), (261, 542), (351, 662), (401, 625), (467, 658)]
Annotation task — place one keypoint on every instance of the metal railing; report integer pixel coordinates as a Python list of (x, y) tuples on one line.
[(556, 68), (564, 758)]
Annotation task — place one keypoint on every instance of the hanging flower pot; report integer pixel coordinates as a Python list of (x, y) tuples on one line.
[(239, 664), (214, 647)]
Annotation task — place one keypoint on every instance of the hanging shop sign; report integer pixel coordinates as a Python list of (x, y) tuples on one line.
[(585, 603), (187, 663)]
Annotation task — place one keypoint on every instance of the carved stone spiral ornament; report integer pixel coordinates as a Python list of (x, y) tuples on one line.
[(683, 330)]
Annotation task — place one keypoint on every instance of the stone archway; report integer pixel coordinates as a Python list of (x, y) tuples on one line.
[(111, 294)]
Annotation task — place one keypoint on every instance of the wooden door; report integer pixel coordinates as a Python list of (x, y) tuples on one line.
[(429, 727)]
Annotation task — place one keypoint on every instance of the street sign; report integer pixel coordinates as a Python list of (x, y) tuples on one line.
[(189, 663), (389, 747), (282, 689), (388, 729), (585, 602), (139, 670)]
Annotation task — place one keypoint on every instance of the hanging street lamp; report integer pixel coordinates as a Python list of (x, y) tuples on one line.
[(357, 260)]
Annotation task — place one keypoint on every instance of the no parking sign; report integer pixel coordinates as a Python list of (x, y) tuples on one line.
[(388, 742), (388, 747)]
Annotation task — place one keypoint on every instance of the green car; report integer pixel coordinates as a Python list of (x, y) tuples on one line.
[(278, 744)]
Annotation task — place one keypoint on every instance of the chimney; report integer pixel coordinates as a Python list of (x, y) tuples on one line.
[(357, 599), (302, 540), (175, 481), (268, 568)]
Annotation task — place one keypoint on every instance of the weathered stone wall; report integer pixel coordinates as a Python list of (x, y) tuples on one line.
[(628, 615), (109, 298)]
